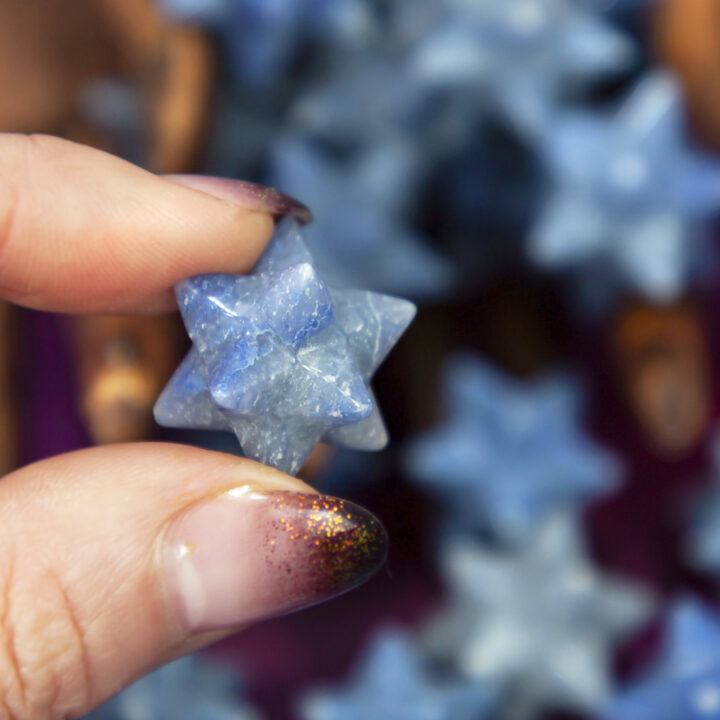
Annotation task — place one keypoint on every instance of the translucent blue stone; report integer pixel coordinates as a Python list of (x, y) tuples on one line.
[(280, 358)]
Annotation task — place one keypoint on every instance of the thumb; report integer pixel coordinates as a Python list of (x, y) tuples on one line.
[(114, 560)]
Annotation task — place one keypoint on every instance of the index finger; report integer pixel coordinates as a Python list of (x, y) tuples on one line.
[(84, 231)]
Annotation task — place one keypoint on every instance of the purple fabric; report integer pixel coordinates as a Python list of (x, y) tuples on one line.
[(47, 401)]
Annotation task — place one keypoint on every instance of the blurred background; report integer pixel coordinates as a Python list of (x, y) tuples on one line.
[(542, 178)]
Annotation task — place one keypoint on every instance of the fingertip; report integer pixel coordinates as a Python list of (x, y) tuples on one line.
[(185, 545), (250, 554), (84, 231)]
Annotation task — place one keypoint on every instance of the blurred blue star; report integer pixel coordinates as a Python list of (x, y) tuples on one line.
[(281, 359), (628, 189), (510, 452), (519, 54), (540, 622), (264, 36), (359, 237), (187, 689), (685, 684), (364, 99), (391, 684)]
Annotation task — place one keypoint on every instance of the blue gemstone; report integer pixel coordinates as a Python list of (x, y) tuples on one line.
[(280, 358)]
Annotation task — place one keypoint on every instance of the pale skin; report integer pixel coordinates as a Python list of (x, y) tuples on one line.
[(82, 609)]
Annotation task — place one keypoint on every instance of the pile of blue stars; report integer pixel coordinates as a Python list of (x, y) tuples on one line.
[(372, 112)]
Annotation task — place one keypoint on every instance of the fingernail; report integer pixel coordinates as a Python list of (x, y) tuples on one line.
[(249, 555), (248, 194)]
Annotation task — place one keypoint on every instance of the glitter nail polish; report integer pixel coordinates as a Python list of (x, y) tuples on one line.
[(250, 554), (248, 194)]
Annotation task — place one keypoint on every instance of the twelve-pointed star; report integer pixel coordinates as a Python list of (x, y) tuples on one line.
[(391, 684), (686, 682), (540, 622), (281, 359)]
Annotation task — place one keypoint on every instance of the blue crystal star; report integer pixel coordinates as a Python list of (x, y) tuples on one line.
[(359, 237), (187, 689), (391, 684), (628, 189), (281, 359), (540, 623), (509, 453), (685, 684), (519, 54)]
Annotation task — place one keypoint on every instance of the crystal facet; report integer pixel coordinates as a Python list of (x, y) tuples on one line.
[(280, 358)]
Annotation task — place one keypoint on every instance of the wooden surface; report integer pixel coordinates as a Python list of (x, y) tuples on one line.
[(663, 361), (123, 364), (687, 39)]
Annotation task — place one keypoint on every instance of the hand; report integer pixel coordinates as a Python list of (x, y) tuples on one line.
[(114, 560)]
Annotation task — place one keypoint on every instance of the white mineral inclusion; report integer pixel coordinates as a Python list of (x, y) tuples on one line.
[(281, 359)]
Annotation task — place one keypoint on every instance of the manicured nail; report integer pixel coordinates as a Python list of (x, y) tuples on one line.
[(251, 554), (248, 194)]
